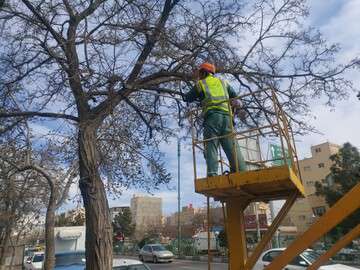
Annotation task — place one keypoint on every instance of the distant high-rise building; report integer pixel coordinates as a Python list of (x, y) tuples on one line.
[(186, 216), (146, 213), (312, 170)]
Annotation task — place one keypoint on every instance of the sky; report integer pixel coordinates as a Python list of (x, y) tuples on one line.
[(338, 20)]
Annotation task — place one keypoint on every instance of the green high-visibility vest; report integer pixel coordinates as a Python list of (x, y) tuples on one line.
[(215, 94)]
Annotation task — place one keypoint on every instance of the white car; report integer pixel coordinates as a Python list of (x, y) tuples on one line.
[(155, 253), (301, 262), (35, 262), (129, 264)]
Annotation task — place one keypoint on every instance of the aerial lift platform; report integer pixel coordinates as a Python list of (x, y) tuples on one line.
[(266, 179)]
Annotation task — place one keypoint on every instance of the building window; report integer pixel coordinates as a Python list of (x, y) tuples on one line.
[(329, 180), (317, 150), (310, 183), (321, 165), (307, 168), (319, 211)]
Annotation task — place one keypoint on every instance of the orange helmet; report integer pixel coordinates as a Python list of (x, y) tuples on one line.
[(208, 67)]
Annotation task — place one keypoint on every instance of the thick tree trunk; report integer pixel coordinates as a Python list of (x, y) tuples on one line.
[(49, 233), (98, 225), (5, 243), (8, 230)]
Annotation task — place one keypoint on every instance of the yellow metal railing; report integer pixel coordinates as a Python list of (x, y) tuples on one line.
[(275, 127)]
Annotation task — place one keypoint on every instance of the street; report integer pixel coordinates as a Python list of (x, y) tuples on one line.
[(189, 265)]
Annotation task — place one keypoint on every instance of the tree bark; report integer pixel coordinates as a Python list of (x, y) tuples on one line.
[(98, 242), (5, 245), (49, 232), (10, 210)]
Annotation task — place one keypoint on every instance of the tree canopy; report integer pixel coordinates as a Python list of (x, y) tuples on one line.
[(344, 175), (122, 223)]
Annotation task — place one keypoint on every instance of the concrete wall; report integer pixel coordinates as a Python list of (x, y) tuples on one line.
[(69, 238)]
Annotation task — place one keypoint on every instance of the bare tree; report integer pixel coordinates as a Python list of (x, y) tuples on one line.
[(50, 183), (17, 198), (57, 196), (102, 68), (58, 188)]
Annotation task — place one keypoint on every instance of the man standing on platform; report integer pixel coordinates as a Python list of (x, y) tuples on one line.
[(214, 95)]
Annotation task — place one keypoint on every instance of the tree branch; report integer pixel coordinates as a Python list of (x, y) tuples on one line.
[(55, 34), (38, 114), (41, 171), (136, 109), (69, 175), (10, 127), (151, 41)]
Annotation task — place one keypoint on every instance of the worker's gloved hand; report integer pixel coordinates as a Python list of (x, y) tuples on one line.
[(236, 103), (241, 114)]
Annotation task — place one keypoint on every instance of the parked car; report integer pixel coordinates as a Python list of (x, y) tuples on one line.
[(301, 262), (36, 261), (128, 264), (75, 260), (28, 253), (155, 253)]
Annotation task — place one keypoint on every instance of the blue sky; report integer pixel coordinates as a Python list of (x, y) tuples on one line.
[(339, 22)]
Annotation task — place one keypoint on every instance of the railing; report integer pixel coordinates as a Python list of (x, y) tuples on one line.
[(274, 132)]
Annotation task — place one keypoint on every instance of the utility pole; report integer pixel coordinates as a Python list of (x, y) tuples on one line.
[(272, 213), (258, 232), (179, 213)]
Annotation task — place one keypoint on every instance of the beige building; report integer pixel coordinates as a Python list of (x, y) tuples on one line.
[(313, 169), (259, 207), (146, 213), (186, 216)]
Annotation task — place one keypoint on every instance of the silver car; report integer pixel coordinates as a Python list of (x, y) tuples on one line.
[(155, 253)]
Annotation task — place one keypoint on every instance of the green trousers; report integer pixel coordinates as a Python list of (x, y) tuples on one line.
[(218, 124)]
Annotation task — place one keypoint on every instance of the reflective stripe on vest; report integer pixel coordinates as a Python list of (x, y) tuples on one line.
[(215, 94)]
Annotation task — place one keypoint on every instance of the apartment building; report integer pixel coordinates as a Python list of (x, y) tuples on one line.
[(313, 169), (146, 213)]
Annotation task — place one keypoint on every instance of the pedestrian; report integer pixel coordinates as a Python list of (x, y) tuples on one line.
[(214, 94)]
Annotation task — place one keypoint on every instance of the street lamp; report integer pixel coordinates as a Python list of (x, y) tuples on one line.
[(179, 225)]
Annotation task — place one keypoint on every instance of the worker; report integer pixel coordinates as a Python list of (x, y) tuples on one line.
[(214, 94)]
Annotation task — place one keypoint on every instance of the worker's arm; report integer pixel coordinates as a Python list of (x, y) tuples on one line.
[(231, 91), (193, 95), (236, 103)]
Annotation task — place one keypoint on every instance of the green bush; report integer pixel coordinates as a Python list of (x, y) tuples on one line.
[(147, 240)]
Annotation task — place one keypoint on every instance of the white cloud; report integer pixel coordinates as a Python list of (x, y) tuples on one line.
[(339, 22), (343, 28), (38, 130)]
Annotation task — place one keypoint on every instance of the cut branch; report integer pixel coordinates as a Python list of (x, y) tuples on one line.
[(39, 114)]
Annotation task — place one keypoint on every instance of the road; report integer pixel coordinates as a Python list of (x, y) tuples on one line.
[(190, 265), (187, 265)]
